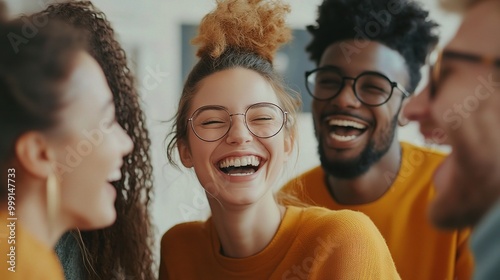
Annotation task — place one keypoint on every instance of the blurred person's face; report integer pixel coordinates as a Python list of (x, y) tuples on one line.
[(458, 108), (90, 146), (353, 136)]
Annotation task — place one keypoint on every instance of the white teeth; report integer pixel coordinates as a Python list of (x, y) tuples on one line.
[(115, 176), (241, 174), (346, 123), (239, 161), (342, 138)]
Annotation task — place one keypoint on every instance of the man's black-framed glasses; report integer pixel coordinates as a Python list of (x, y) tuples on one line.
[(370, 88), (439, 55), (211, 123)]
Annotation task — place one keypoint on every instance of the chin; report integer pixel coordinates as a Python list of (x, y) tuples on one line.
[(240, 198), (109, 219), (103, 220), (443, 215), (443, 219)]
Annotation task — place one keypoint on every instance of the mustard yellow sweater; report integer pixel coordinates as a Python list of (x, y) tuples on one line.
[(29, 258), (311, 243), (419, 250)]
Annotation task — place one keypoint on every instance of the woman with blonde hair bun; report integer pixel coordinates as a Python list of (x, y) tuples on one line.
[(235, 127)]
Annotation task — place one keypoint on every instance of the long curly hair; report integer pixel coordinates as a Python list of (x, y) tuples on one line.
[(409, 30), (125, 248)]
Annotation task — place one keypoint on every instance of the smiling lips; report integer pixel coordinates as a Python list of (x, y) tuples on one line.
[(239, 166), (343, 130)]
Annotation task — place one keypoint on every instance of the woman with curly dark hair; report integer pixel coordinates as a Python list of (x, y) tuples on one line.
[(61, 147), (124, 249)]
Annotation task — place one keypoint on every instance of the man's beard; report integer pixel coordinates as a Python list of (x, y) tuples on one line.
[(373, 152)]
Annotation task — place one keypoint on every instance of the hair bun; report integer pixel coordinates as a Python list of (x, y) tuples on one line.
[(256, 26)]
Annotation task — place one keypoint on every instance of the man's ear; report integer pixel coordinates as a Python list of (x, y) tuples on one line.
[(185, 154), (34, 154), (402, 120)]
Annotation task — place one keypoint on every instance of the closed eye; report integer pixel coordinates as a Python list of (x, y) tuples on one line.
[(373, 89), (109, 124), (211, 122), (328, 82), (263, 119)]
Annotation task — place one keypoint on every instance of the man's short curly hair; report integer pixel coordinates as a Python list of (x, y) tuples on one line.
[(403, 25)]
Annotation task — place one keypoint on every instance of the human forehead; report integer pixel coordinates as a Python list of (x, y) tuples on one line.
[(353, 59), (478, 33), (235, 89), (86, 91)]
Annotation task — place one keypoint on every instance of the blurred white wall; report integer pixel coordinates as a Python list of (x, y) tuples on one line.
[(150, 32)]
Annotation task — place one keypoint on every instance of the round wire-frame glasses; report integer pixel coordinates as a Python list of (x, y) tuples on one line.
[(212, 122)]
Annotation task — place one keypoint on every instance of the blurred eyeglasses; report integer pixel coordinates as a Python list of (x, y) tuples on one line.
[(440, 55)]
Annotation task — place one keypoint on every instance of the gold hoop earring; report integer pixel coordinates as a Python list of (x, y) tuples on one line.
[(53, 200)]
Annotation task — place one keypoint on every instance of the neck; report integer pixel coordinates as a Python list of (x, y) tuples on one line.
[(245, 231), (371, 185), (31, 212)]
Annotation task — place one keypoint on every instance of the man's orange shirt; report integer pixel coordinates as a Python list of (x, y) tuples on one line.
[(419, 250)]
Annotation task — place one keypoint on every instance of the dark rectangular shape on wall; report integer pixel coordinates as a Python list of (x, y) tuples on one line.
[(291, 61)]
